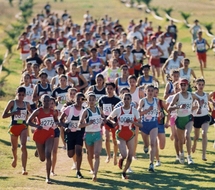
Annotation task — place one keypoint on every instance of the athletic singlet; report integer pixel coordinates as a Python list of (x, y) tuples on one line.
[(171, 87), (62, 93), (200, 46), (151, 116), (56, 81), (99, 93), (97, 68), (121, 84), (102, 56), (42, 49), (73, 119), (75, 78), (29, 94), (135, 95), (123, 117), (86, 74), (43, 90), (96, 117), (154, 52), (164, 47), (184, 75), (66, 54), (45, 120), (172, 65), (188, 101), (19, 119), (181, 56), (25, 46), (143, 81), (35, 38), (131, 58), (204, 109)]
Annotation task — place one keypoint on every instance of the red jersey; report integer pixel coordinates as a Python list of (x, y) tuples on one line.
[(25, 46), (46, 120)]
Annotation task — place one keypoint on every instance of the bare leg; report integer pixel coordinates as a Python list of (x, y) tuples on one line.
[(54, 154), (90, 155), (204, 140), (158, 71), (145, 138), (161, 141), (136, 141), (153, 138), (14, 144), (130, 145), (188, 138), (115, 148), (48, 150), (62, 137), (107, 145), (97, 151), (23, 139), (78, 152), (201, 68), (176, 141), (195, 139), (153, 70)]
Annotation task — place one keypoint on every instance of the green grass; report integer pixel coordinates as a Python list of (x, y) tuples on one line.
[(169, 175)]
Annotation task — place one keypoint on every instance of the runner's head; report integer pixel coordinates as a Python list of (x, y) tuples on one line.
[(186, 62), (200, 84), (45, 99), (175, 75), (113, 63), (71, 94), (27, 79), (43, 77), (48, 63), (123, 91), (124, 69), (184, 83), (52, 103), (20, 93), (63, 80), (199, 33), (110, 88), (179, 46), (84, 60), (69, 43), (100, 80), (73, 67), (176, 87), (127, 99), (145, 69), (60, 69), (156, 91), (35, 68), (79, 98), (91, 98), (174, 55), (149, 90), (132, 81)]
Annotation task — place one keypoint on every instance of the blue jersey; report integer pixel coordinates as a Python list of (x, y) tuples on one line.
[(95, 65), (200, 46), (144, 81)]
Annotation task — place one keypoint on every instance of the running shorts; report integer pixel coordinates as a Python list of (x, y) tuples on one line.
[(198, 121), (17, 129), (56, 132), (92, 137), (125, 134), (110, 129), (74, 138), (41, 135), (161, 129), (148, 126), (181, 122), (202, 57)]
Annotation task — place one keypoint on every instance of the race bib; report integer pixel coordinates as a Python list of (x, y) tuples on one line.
[(26, 47), (97, 120), (47, 122), (86, 76), (73, 126), (107, 109), (22, 117), (201, 47), (75, 79), (123, 118)]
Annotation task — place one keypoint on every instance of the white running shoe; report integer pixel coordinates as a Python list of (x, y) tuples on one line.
[(28, 138), (181, 158), (129, 170), (74, 166), (158, 163), (189, 160)]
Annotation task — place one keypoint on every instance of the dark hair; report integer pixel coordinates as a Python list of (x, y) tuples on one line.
[(63, 75), (21, 89), (124, 66), (127, 94), (110, 84), (100, 75), (124, 88), (149, 86), (132, 77)]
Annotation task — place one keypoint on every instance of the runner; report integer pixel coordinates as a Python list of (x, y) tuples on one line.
[(49, 70), (149, 110), (129, 58), (106, 104), (17, 110), (55, 80), (154, 53), (44, 134), (91, 120), (201, 120), (181, 54), (122, 81), (66, 51), (35, 74), (73, 134), (199, 46), (127, 118), (194, 30), (183, 101)]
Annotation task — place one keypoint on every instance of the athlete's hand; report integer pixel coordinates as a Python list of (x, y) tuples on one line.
[(182, 106), (67, 130), (39, 127), (166, 125), (17, 112), (199, 111), (91, 122), (150, 108)]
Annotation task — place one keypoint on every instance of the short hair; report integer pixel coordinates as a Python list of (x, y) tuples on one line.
[(21, 89), (110, 84), (132, 77)]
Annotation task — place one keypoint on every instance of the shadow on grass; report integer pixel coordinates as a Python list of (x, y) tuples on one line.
[(7, 143), (4, 178)]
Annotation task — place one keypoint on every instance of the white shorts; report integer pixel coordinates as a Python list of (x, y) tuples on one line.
[(24, 56)]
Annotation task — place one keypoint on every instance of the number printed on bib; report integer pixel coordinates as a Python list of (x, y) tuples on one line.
[(47, 122), (96, 124), (73, 126), (107, 109), (123, 118), (201, 47), (22, 117)]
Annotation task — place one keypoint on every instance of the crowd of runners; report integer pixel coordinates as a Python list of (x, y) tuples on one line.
[(99, 81)]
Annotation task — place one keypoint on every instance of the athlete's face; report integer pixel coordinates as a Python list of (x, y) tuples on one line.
[(176, 88), (200, 85), (84, 61), (114, 63), (52, 104), (127, 100), (125, 71), (27, 79), (150, 92), (46, 102), (21, 96), (156, 92), (73, 69), (132, 82), (109, 90), (43, 78), (183, 87), (175, 76), (92, 100), (80, 99), (60, 71), (63, 81), (146, 70), (99, 81), (72, 94), (186, 63)]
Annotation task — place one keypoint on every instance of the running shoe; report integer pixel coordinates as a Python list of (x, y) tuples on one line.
[(129, 170), (181, 158), (158, 163), (176, 159), (189, 160), (120, 163), (124, 176), (151, 168), (79, 175), (74, 166), (145, 149)]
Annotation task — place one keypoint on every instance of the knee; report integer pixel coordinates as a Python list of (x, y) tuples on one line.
[(70, 155), (204, 135), (42, 158), (129, 158), (14, 149), (23, 147), (107, 138), (114, 142), (78, 152), (97, 155), (153, 144), (48, 155), (162, 146)]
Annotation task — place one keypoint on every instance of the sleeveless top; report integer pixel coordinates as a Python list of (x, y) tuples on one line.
[(86, 74), (184, 75), (41, 90), (188, 101), (29, 94), (200, 46), (123, 117), (121, 84), (97, 68), (19, 119), (144, 81), (135, 96), (98, 93), (46, 120), (172, 65), (204, 109), (151, 116), (96, 117)]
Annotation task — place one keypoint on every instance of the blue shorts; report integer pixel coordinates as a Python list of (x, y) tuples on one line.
[(91, 138), (56, 132), (161, 129), (148, 126)]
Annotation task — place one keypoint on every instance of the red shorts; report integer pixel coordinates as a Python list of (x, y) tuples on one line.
[(202, 57), (125, 134), (17, 129), (154, 62), (41, 135), (112, 130)]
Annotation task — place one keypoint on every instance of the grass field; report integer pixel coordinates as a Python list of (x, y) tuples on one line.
[(201, 175)]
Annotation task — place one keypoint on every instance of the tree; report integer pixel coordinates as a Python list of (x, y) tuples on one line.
[(185, 16)]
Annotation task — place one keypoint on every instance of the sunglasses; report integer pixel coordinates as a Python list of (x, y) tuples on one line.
[(127, 98)]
